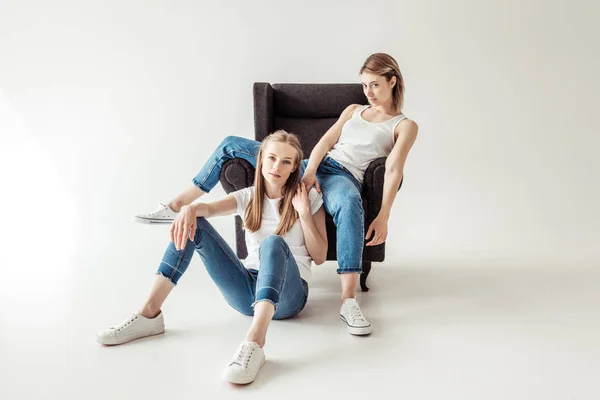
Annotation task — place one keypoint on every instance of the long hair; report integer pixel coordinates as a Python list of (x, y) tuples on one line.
[(289, 215), (384, 65)]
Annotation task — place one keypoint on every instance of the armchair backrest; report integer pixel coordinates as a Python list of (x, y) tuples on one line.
[(306, 109)]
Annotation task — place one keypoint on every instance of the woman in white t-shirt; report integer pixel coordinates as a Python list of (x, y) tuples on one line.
[(285, 232)]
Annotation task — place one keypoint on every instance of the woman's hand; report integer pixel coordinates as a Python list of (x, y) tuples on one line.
[(184, 227), (309, 179), (301, 201), (379, 227)]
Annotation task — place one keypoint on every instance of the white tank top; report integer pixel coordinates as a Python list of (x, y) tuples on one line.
[(362, 141)]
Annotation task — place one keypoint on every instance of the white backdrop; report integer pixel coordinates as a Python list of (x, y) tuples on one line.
[(108, 108)]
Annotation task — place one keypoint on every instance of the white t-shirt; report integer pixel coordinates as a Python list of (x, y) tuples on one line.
[(270, 221)]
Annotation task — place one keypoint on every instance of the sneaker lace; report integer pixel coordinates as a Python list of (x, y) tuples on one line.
[(355, 313), (125, 323), (243, 356), (158, 211)]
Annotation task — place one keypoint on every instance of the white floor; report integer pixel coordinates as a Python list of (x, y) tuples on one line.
[(109, 106), (440, 332)]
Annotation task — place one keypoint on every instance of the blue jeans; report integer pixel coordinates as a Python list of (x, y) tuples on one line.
[(341, 196), (277, 281)]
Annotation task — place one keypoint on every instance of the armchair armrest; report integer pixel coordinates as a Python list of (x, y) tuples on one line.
[(373, 187), (373, 196), (236, 174)]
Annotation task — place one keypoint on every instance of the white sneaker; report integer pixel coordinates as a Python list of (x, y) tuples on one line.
[(162, 215), (135, 327), (245, 364), (350, 313)]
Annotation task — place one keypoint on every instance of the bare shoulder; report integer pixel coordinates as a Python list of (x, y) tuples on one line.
[(353, 107), (347, 113), (407, 127), (406, 130)]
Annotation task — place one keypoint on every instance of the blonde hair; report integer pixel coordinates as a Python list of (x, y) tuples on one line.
[(289, 216), (384, 65)]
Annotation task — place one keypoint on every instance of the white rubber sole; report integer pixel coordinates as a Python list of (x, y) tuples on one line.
[(121, 339), (143, 220), (242, 380), (356, 330)]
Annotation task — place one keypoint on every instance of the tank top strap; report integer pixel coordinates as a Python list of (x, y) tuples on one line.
[(396, 120), (359, 110)]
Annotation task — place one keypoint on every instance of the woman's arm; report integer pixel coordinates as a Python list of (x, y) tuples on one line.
[(315, 235), (394, 167), (184, 225), (224, 206), (313, 225), (324, 145)]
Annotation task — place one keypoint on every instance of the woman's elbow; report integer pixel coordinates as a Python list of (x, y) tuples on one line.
[(319, 260), (322, 256)]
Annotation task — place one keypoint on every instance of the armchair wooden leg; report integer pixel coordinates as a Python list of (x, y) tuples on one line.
[(366, 267)]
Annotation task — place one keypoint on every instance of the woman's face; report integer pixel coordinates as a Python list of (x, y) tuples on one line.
[(279, 161), (377, 88)]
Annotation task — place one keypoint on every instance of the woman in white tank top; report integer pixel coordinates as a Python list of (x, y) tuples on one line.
[(337, 165), (338, 162)]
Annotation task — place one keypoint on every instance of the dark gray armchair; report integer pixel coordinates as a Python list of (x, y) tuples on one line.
[(308, 110)]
